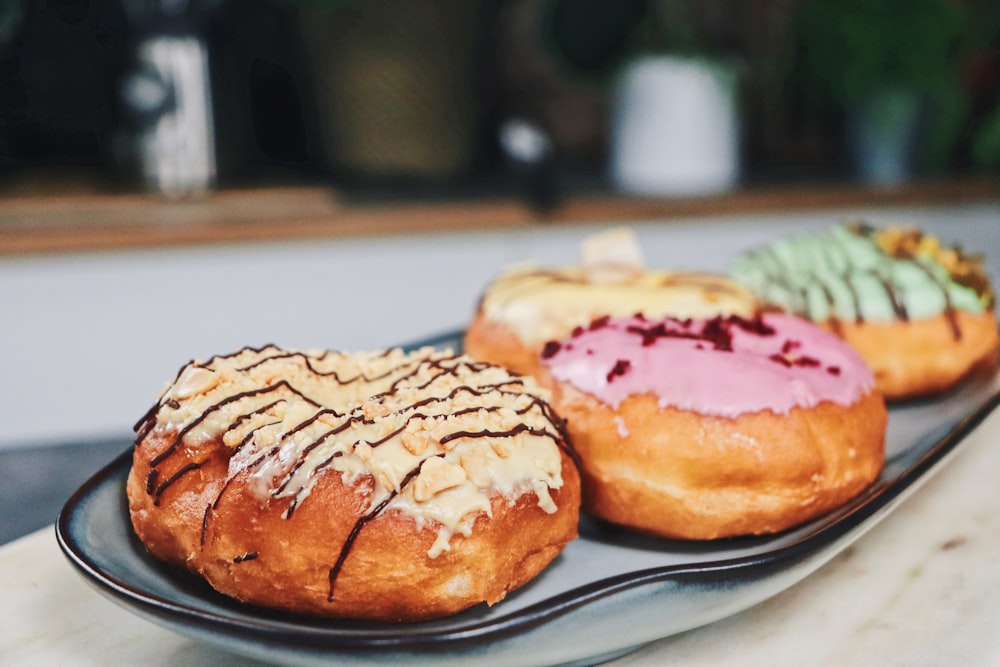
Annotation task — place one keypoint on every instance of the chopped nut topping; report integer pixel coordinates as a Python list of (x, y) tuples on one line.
[(966, 269), (386, 481), (195, 380), (477, 469), (363, 451), (436, 475), (415, 443), (500, 448), (374, 409)]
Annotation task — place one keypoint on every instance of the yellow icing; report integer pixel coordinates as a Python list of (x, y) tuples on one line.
[(547, 304)]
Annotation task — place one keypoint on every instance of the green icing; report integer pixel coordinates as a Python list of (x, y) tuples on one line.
[(846, 275)]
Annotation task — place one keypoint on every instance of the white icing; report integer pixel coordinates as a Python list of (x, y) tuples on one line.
[(407, 423)]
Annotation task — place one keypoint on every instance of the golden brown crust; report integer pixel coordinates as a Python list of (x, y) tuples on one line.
[(922, 357), (680, 474), (245, 548), (497, 343)]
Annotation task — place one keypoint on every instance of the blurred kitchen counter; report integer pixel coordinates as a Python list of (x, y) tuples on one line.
[(40, 220)]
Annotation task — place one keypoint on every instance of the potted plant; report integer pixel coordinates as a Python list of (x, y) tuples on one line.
[(675, 121), (892, 68)]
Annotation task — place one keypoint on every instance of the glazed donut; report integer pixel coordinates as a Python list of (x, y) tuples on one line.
[(702, 429), (920, 314), (528, 305), (388, 486)]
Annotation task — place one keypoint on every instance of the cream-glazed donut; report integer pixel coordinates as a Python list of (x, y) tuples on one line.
[(386, 486), (528, 305), (922, 315), (717, 427)]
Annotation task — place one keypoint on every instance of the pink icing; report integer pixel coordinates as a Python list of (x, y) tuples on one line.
[(723, 366)]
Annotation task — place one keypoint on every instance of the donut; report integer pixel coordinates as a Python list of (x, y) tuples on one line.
[(528, 304), (921, 314), (385, 486), (721, 427)]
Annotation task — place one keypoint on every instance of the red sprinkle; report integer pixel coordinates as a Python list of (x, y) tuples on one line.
[(716, 331), (833, 370), (780, 358), (600, 323), (754, 326), (621, 367), (550, 349), (789, 345)]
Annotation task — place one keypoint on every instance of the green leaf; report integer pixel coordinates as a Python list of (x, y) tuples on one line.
[(986, 142)]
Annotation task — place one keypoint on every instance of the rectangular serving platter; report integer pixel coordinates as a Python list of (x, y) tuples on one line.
[(611, 590)]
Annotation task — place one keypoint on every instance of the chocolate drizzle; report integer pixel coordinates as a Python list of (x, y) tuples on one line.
[(361, 522), (520, 428), (898, 307), (284, 455), (282, 385), (160, 488), (949, 308)]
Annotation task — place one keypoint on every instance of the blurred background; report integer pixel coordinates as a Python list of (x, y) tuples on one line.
[(180, 178), (383, 99)]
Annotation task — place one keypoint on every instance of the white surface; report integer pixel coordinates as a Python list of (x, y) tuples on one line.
[(92, 338), (919, 589)]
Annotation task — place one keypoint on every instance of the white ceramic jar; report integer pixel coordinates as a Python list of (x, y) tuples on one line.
[(675, 128)]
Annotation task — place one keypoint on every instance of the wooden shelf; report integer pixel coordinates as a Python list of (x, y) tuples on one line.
[(90, 221)]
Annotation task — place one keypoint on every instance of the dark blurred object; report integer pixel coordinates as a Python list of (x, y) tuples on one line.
[(396, 86), (981, 75), (59, 72), (542, 84), (593, 37), (983, 133), (892, 70), (267, 124), (78, 91), (410, 97), (531, 155)]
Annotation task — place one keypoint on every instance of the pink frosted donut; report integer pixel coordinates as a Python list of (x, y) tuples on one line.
[(716, 427)]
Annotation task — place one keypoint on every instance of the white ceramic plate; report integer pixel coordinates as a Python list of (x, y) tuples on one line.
[(608, 593)]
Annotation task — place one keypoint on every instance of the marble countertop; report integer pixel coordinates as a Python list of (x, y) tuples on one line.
[(921, 588)]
